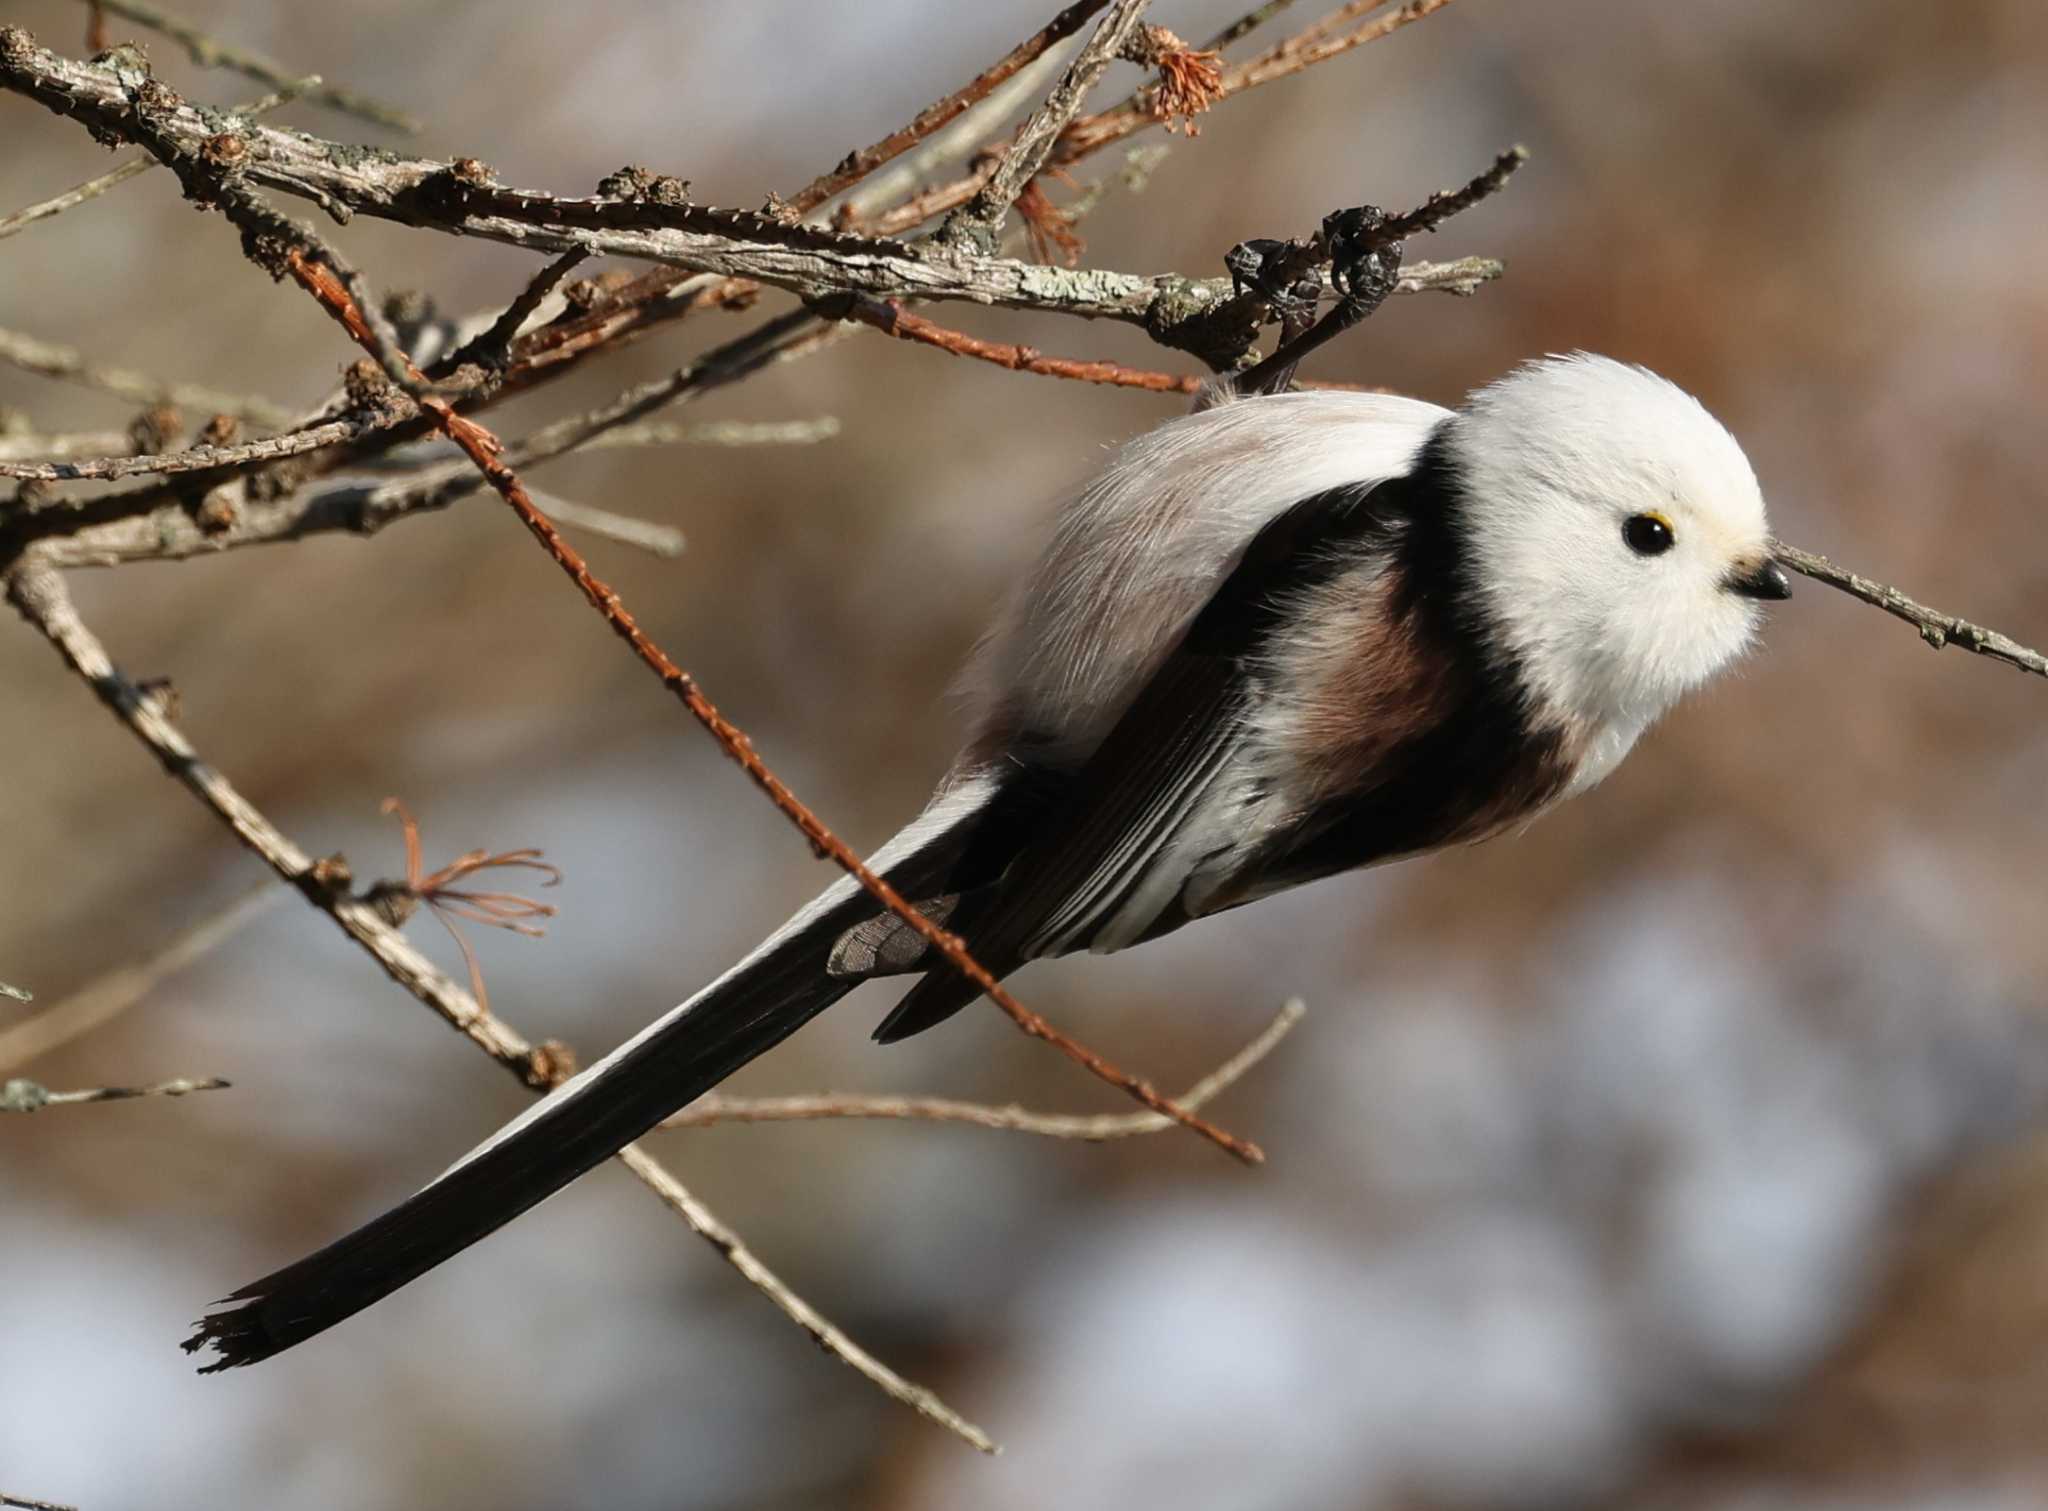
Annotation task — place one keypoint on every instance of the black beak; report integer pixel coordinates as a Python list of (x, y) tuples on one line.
[(1766, 579)]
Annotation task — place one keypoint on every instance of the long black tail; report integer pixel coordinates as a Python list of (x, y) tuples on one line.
[(748, 1011)]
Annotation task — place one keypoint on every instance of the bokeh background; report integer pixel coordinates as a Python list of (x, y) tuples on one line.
[(1684, 1151)]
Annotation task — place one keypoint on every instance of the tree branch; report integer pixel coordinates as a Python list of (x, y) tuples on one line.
[(856, 166), (30, 1096), (1936, 628), (210, 52), (54, 361), (38, 594), (717, 1107), (459, 198), (980, 221)]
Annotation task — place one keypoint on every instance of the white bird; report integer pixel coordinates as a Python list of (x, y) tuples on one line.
[(1279, 638)]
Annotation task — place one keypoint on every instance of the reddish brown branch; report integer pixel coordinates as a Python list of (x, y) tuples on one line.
[(893, 320), (1315, 43), (858, 165), (483, 449)]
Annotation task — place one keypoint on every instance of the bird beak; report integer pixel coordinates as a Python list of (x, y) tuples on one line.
[(1764, 579)]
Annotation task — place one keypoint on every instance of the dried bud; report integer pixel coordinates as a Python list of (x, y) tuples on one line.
[(153, 94), (224, 151), (156, 430), (331, 874), (216, 512), (161, 696), (629, 182), (365, 383), (221, 430), (550, 1063)]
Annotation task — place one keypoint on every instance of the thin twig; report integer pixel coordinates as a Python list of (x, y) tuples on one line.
[(103, 534), (1445, 203), (460, 198), (642, 534), (720, 433), (210, 52), (317, 277), (63, 362), (718, 1107), (1936, 628), (979, 222), (209, 458), (93, 188), (494, 347), (23, 444), (859, 164), (38, 593), (892, 319), (30, 1096), (1312, 45), (24, 1503), (106, 997)]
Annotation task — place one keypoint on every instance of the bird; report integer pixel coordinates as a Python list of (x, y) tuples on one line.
[(1283, 636)]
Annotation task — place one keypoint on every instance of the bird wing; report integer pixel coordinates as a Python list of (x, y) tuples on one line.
[(1173, 786)]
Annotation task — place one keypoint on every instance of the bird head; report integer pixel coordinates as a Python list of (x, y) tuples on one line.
[(1615, 536)]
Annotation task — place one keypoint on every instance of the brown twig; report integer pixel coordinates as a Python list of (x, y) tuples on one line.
[(1936, 628), (1445, 203), (157, 524), (718, 1107), (484, 449), (978, 222), (1316, 43), (210, 52), (892, 319), (38, 593), (494, 347), (448, 902), (211, 458), (857, 165), (31, 1096)]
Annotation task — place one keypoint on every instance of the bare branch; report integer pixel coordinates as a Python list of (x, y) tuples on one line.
[(318, 278), (30, 1096), (210, 52), (858, 165), (720, 433), (980, 221), (660, 540), (105, 998), (494, 347), (54, 361), (1936, 628), (1316, 43), (458, 197), (93, 188), (717, 1107), (210, 458), (38, 593)]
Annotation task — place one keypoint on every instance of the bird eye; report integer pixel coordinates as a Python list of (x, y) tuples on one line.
[(1647, 534)]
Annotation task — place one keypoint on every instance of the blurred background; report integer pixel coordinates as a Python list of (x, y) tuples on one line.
[(1685, 1151)]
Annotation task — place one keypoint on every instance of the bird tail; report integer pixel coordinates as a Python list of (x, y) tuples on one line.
[(746, 1012)]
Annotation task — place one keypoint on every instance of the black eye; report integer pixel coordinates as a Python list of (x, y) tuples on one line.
[(1647, 534)]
